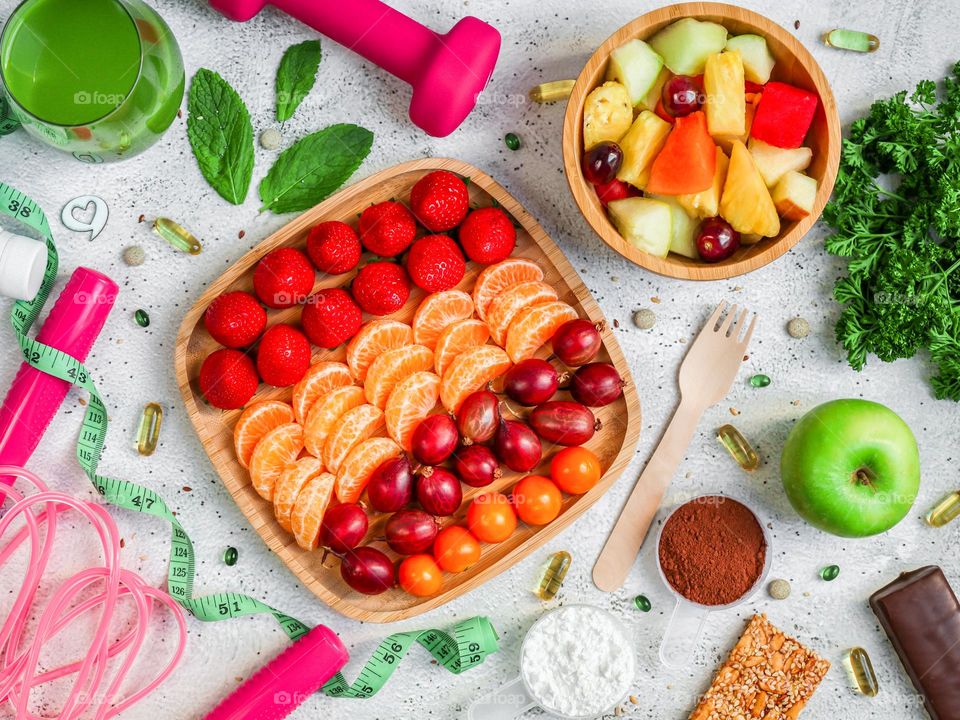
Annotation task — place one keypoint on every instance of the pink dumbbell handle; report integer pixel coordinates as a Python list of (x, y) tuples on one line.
[(277, 688), (363, 26)]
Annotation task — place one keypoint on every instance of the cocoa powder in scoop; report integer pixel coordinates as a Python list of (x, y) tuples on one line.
[(712, 550)]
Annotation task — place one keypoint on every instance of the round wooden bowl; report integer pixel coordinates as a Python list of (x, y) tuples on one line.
[(795, 65)]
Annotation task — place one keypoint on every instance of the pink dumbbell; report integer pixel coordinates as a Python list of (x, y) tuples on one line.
[(447, 72)]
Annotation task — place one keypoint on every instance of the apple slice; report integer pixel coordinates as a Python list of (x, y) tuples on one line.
[(773, 162), (683, 228), (795, 195), (607, 114), (644, 223), (746, 203), (636, 66), (686, 44), (640, 145), (758, 61)]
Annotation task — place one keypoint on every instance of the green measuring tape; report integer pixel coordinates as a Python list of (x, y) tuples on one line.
[(472, 640), (7, 122)]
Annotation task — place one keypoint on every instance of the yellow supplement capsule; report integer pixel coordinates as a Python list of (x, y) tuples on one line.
[(552, 575), (148, 434), (177, 235), (552, 91), (860, 668), (944, 511), (851, 40), (738, 447)]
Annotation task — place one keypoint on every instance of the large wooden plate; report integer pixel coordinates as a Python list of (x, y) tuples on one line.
[(614, 444)]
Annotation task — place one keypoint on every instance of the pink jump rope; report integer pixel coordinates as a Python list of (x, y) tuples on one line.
[(448, 72)]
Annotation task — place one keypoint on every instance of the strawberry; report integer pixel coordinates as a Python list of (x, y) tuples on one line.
[(228, 379), (235, 319), (488, 235), (331, 317), (440, 200), (614, 190), (283, 355), (387, 228), (435, 263), (334, 247), (283, 278), (381, 288)]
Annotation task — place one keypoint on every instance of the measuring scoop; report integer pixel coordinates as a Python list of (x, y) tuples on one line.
[(685, 628), (447, 72), (514, 698)]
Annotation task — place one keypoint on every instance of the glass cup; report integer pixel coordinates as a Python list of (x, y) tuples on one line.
[(101, 79), (682, 636)]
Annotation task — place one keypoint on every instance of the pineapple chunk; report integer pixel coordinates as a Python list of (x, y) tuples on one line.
[(640, 145), (795, 195), (706, 203), (746, 203), (644, 223), (683, 228), (637, 66), (774, 162), (726, 141), (726, 103), (607, 114)]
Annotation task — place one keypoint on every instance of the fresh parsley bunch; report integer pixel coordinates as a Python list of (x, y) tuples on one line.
[(895, 213)]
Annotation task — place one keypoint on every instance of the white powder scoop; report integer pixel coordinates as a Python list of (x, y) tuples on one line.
[(575, 662)]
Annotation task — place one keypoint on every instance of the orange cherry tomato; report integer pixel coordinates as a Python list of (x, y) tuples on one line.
[(537, 499), (455, 549), (575, 470), (491, 517), (420, 575)]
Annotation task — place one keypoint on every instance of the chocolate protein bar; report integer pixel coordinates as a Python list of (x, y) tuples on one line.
[(921, 616)]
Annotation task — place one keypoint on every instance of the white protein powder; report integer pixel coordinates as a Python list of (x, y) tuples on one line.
[(577, 662)]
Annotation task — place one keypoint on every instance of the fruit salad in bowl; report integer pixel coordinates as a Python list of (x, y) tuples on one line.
[(701, 141)]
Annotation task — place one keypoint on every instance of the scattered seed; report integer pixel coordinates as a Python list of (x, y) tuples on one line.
[(616, 323), (242, 234), (798, 328), (270, 139), (619, 711), (180, 113), (134, 256), (796, 24), (644, 318), (779, 589), (655, 300), (187, 488), (141, 218), (123, 543), (634, 699), (734, 411)]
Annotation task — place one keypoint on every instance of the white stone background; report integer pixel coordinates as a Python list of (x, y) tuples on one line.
[(543, 41)]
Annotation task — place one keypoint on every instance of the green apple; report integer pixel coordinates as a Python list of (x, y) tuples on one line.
[(851, 468)]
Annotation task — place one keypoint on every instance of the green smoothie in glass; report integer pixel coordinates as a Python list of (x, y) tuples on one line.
[(102, 79)]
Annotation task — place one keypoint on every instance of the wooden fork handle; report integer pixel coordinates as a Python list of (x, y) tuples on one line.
[(622, 546)]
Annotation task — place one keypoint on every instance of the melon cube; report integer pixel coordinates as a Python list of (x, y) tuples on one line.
[(758, 61), (644, 223), (636, 66), (686, 44), (683, 228)]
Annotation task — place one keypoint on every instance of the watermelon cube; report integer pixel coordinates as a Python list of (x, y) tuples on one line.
[(784, 115)]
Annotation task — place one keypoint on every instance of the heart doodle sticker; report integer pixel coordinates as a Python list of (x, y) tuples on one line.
[(77, 215)]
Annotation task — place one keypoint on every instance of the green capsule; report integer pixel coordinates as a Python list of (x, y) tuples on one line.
[(830, 572), (760, 380), (230, 556), (177, 236), (947, 510), (552, 91), (143, 320), (851, 40), (512, 141), (643, 603), (739, 447)]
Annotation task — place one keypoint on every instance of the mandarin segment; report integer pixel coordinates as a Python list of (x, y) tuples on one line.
[(353, 476), (497, 278), (411, 401), (290, 483), (456, 338), (255, 422), (351, 429), (436, 312), (307, 514), (277, 449), (504, 307), (471, 371), (392, 367), (533, 326), (374, 339), (318, 380), (324, 414)]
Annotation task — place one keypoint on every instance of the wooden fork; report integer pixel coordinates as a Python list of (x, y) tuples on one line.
[(706, 374)]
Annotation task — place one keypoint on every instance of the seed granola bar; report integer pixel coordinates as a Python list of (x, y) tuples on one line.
[(767, 675)]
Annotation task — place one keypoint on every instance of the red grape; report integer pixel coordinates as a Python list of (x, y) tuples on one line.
[(479, 417), (434, 439), (596, 384), (476, 465), (601, 162), (614, 190), (682, 95), (564, 422), (367, 570), (576, 342), (391, 486), (717, 240), (343, 527), (531, 381), (517, 446), (410, 531), (439, 491)]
